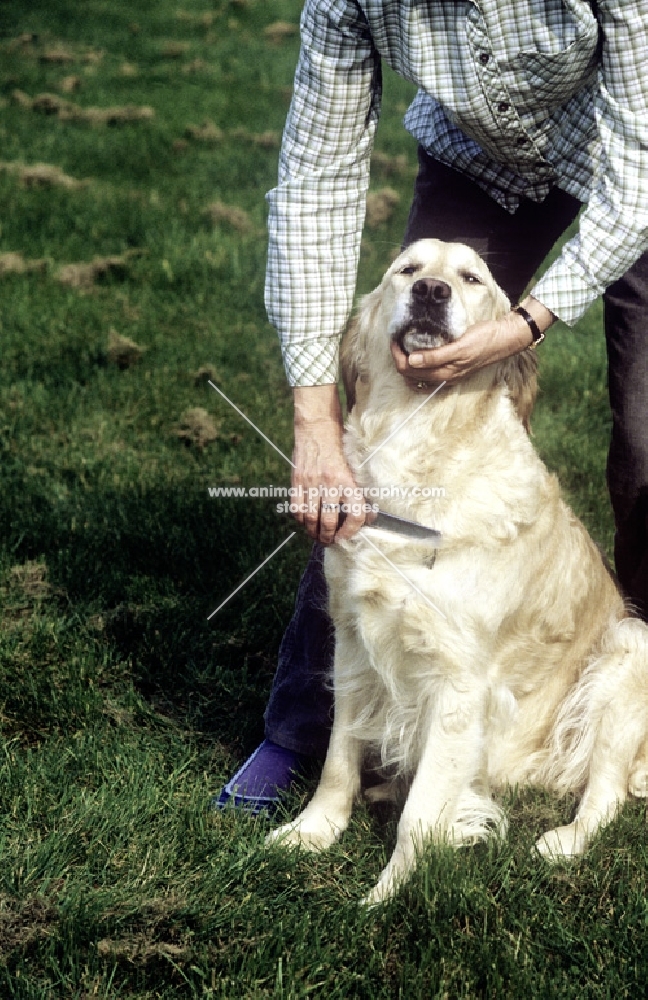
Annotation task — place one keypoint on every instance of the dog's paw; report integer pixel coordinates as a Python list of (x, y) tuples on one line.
[(562, 843), (382, 892), (304, 832)]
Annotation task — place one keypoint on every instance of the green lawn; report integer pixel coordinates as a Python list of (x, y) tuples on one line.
[(122, 708)]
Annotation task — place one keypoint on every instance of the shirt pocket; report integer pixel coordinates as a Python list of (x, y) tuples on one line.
[(549, 79)]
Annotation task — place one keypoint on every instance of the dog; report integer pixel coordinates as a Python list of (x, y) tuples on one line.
[(508, 656)]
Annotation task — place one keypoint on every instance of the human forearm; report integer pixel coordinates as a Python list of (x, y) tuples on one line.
[(316, 212), (320, 467)]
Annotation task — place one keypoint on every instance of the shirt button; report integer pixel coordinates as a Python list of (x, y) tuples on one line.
[(503, 106), (484, 58)]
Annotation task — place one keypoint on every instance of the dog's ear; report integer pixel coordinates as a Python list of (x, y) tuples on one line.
[(520, 373), (353, 351)]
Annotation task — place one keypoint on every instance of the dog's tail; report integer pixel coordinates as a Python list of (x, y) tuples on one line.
[(603, 722)]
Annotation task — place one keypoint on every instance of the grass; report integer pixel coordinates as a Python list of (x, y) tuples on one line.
[(121, 709)]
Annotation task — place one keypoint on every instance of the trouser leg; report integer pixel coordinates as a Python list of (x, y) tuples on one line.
[(626, 330), (446, 206), (299, 713)]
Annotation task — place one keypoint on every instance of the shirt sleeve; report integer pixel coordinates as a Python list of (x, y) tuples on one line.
[(613, 228), (316, 213)]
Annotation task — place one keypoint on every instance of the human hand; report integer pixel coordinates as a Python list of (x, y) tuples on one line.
[(482, 344), (320, 468)]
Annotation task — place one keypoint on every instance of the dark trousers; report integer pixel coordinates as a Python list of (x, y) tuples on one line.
[(449, 206)]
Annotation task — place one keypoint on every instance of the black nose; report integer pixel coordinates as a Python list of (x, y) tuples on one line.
[(431, 290)]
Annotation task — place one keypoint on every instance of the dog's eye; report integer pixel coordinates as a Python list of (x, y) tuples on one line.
[(471, 279), (410, 269)]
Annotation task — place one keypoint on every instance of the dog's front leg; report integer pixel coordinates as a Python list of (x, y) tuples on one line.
[(327, 814), (451, 760)]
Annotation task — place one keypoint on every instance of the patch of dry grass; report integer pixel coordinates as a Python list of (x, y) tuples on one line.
[(84, 275), (197, 65), (141, 948), (206, 373), (70, 84), (30, 579), (197, 428), (206, 19), (122, 351), (15, 263), (234, 216), (174, 49), (206, 132), (52, 104), (380, 206), (279, 31), (23, 923), (269, 139), (42, 175), (397, 165)]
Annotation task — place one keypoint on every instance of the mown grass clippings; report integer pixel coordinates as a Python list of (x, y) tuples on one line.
[(279, 31), (24, 924), (25, 40), (234, 216), (270, 139), (206, 374), (42, 175), (197, 65), (205, 132), (390, 165), (30, 579), (70, 84), (174, 49), (82, 276), (12, 262), (204, 18), (140, 949), (122, 351), (58, 55), (380, 206), (197, 427), (128, 70), (66, 111)]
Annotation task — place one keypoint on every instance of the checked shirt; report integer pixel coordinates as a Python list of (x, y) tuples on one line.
[(518, 95)]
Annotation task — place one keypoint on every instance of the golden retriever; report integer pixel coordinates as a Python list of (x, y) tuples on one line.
[(508, 656)]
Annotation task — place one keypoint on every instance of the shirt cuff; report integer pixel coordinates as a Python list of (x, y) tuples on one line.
[(312, 362), (566, 291)]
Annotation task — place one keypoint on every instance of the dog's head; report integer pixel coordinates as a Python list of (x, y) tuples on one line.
[(434, 291), (429, 296)]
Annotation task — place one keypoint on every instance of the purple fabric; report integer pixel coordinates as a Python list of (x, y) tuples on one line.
[(258, 784)]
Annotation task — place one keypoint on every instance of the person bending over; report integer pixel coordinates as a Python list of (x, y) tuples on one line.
[(526, 115)]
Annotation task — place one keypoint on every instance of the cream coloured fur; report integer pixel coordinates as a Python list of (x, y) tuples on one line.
[(510, 658)]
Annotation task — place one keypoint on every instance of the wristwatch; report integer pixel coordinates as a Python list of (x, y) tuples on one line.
[(536, 332)]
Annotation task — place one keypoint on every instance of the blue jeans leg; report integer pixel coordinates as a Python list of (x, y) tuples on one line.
[(300, 710)]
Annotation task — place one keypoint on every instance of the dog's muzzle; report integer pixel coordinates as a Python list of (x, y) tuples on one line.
[(427, 324)]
